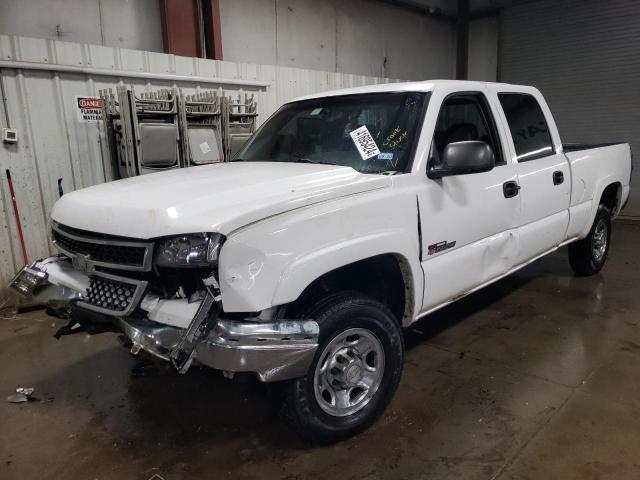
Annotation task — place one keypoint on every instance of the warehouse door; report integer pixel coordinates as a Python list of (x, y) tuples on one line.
[(584, 56)]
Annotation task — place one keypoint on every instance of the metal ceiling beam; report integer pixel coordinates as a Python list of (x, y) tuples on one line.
[(437, 13), (428, 11)]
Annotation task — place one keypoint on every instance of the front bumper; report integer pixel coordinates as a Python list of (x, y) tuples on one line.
[(272, 350), (275, 350)]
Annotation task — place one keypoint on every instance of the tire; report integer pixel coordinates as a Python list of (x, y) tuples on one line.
[(351, 324), (587, 256)]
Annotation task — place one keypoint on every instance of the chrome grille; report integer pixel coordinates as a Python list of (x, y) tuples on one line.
[(113, 295), (103, 250)]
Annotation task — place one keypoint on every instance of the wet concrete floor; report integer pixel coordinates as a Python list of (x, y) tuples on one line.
[(537, 376)]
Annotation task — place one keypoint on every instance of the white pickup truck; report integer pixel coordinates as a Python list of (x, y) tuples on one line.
[(348, 216)]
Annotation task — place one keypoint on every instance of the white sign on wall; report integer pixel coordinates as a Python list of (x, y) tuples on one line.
[(88, 109)]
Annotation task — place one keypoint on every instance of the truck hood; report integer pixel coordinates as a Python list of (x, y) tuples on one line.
[(216, 198)]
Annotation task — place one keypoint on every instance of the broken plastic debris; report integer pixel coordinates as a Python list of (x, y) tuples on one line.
[(17, 398), (23, 394)]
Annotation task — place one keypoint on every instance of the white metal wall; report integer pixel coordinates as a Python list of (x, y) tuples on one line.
[(584, 55), (54, 144), (367, 37), (116, 23)]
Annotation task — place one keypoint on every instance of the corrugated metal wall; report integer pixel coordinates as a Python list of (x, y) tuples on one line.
[(54, 144), (116, 23), (584, 55)]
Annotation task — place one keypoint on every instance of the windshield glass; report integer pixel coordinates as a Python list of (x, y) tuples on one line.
[(371, 133)]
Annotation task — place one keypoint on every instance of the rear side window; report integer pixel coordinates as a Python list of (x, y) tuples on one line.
[(529, 129)]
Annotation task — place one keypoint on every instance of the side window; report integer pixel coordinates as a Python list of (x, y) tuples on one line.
[(465, 116), (529, 129)]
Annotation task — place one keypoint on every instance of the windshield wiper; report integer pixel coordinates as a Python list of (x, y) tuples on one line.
[(295, 160), (308, 160)]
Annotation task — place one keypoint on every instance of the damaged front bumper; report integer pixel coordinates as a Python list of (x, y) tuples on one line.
[(272, 350)]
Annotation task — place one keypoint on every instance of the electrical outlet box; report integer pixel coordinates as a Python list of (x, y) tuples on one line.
[(9, 135)]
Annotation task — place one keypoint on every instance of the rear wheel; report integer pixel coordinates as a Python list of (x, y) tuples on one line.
[(354, 373), (587, 256)]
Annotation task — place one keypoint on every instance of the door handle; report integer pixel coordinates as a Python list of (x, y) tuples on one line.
[(510, 189), (558, 177)]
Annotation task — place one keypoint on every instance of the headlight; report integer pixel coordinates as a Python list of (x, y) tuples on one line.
[(197, 250)]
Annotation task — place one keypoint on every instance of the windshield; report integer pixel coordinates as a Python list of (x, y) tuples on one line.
[(372, 133)]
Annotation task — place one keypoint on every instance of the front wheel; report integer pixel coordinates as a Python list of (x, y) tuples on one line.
[(354, 373), (587, 256)]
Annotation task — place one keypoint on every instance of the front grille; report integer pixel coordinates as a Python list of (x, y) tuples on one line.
[(111, 295), (103, 250)]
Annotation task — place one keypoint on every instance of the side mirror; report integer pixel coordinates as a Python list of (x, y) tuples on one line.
[(458, 158)]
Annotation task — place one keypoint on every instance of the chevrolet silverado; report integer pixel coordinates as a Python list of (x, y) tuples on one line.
[(348, 216)]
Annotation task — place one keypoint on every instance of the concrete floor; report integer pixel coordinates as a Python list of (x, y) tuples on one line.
[(534, 377)]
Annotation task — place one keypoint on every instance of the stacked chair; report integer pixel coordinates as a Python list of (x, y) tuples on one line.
[(167, 129), (241, 115), (201, 128), (154, 120)]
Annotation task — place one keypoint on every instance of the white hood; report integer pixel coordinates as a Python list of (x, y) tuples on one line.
[(216, 198)]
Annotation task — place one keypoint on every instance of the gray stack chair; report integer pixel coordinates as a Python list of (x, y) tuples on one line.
[(240, 124), (201, 128), (166, 129), (143, 132), (119, 149), (156, 132)]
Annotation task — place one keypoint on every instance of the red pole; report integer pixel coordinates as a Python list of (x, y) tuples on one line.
[(180, 28), (212, 30), (17, 215)]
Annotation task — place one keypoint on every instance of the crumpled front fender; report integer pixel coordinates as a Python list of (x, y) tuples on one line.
[(270, 263)]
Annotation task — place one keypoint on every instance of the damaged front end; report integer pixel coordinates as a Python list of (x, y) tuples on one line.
[(92, 286)]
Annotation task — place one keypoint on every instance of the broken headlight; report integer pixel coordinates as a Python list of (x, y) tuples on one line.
[(195, 250), (28, 279)]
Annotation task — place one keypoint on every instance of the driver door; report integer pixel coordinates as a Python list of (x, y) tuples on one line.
[(469, 221)]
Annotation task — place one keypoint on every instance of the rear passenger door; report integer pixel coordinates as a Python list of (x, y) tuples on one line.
[(543, 175)]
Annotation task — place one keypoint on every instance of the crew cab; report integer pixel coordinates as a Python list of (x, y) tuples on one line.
[(348, 216)]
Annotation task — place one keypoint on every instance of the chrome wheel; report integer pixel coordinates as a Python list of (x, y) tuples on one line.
[(349, 372), (599, 243)]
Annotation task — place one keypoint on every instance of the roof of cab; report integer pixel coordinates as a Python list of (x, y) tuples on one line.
[(423, 86)]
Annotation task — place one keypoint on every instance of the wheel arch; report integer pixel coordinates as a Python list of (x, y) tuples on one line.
[(608, 193), (611, 197), (388, 277)]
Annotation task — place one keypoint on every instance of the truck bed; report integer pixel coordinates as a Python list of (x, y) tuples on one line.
[(593, 167)]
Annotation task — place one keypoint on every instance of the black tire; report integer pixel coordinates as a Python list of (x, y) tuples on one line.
[(336, 314), (583, 254)]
